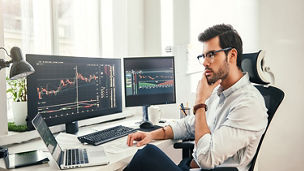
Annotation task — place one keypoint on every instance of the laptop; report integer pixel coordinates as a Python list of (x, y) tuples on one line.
[(68, 158)]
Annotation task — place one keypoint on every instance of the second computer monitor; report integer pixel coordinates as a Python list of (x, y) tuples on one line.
[(149, 81)]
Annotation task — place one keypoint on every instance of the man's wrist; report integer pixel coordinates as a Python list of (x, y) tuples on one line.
[(199, 106)]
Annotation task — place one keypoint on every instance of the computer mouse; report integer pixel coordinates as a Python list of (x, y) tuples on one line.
[(146, 125)]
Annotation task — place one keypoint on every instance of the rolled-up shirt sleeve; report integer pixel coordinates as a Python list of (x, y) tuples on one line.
[(183, 128)]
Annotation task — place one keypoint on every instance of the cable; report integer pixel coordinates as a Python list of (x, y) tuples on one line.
[(5, 51)]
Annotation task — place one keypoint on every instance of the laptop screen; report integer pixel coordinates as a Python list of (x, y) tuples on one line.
[(47, 136)]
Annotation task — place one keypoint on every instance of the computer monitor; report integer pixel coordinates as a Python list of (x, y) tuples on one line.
[(65, 89), (149, 81)]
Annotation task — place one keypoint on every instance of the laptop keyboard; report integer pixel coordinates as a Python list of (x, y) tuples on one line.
[(76, 156), (103, 136)]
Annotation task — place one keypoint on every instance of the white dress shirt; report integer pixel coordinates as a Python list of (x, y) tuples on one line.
[(237, 118)]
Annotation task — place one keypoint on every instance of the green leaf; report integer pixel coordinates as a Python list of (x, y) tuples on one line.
[(17, 89)]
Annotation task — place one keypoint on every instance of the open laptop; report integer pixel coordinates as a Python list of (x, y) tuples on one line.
[(68, 158)]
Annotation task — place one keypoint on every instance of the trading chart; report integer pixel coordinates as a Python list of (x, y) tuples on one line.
[(149, 82), (70, 88)]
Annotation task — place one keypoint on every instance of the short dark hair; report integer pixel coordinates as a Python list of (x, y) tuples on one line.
[(228, 36)]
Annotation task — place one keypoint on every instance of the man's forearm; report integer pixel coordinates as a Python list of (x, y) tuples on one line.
[(201, 127), (163, 133)]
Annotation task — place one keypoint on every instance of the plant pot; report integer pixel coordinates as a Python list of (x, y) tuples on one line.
[(19, 112)]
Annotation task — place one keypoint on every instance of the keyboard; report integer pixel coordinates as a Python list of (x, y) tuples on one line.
[(103, 136), (76, 156)]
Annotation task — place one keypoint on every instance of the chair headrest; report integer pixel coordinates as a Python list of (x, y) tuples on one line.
[(253, 63)]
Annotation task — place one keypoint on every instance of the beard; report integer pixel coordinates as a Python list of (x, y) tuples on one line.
[(221, 74)]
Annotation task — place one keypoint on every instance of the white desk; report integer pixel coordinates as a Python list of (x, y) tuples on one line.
[(117, 151)]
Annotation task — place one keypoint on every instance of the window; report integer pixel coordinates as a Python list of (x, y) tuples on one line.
[(14, 28), (14, 13), (75, 25), (69, 27)]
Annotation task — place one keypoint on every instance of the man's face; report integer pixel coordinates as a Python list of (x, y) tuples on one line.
[(218, 67)]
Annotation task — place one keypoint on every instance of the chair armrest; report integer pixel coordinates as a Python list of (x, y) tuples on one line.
[(184, 145), (217, 169), (225, 169)]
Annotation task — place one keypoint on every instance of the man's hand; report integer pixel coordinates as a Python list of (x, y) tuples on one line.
[(143, 138), (204, 90)]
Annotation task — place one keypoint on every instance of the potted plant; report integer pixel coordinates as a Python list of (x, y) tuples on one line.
[(17, 91)]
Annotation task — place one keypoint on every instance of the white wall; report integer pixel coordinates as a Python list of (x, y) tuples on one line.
[(120, 28), (135, 28), (181, 36), (152, 27), (281, 35)]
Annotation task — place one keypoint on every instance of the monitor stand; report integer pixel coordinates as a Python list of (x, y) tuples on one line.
[(145, 123), (71, 127)]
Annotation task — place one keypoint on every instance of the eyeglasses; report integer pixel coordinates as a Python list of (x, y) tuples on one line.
[(210, 55)]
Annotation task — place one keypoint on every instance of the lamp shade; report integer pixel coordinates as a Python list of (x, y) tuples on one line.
[(20, 67)]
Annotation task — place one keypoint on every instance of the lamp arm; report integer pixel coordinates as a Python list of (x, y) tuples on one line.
[(5, 51), (4, 64)]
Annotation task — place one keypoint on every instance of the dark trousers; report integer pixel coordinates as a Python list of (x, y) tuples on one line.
[(151, 158)]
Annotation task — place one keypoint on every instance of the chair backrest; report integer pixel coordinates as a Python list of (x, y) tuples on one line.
[(253, 64)]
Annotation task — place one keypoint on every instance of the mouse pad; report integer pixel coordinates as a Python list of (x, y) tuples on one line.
[(155, 127)]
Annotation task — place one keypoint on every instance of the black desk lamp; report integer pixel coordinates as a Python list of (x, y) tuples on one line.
[(20, 67)]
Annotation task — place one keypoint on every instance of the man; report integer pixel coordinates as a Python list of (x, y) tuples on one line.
[(229, 113)]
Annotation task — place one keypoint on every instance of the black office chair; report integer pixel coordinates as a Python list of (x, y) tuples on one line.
[(253, 63)]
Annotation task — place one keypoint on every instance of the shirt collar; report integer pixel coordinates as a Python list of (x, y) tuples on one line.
[(239, 84)]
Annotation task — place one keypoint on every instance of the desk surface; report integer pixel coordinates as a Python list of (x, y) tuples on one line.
[(117, 151)]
